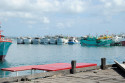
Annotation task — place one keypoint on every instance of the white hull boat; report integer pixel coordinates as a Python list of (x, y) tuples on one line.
[(46, 40), (36, 40), (27, 40), (20, 40), (53, 41), (72, 40), (60, 41)]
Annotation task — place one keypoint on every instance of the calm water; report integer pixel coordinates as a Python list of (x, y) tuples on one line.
[(20, 55)]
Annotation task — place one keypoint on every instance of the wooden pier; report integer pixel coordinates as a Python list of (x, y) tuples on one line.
[(75, 73), (50, 67)]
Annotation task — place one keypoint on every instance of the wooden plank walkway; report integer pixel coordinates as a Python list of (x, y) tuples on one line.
[(95, 76)]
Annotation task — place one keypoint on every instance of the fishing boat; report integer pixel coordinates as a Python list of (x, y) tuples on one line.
[(72, 40), (123, 40), (66, 41), (27, 40), (60, 40), (41, 40), (46, 40), (4, 46), (20, 40), (36, 40), (117, 40), (53, 40), (94, 41)]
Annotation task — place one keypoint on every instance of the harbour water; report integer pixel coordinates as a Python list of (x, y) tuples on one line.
[(23, 55)]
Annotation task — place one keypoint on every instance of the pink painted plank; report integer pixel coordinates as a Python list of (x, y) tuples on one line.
[(62, 66), (22, 68), (49, 67), (53, 67), (82, 65)]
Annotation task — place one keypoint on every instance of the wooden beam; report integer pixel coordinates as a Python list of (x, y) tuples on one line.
[(122, 66)]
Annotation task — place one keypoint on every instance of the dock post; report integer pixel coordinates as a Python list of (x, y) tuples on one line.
[(73, 67), (103, 63)]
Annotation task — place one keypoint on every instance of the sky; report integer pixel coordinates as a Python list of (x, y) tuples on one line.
[(66, 17)]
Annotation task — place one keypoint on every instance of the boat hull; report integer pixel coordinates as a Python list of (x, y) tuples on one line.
[(4, 46), (36, 41), (96, 43), (27, 41), (52, 41), (71, 42), (20, 41), (60, 41), (123, 43), (46, 41)]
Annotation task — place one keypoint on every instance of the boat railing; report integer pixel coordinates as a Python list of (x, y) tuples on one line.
[(2, 39)]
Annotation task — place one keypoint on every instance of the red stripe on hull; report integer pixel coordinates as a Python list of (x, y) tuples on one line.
[(2, 57), (6, 41)]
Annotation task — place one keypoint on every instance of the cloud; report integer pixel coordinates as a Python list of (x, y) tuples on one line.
[(44, 10), (46, 20), (46, 5), (43, 5), (114, 6), (31, 22), (105, 9), (74, 6), (66, 24), (17, 14), (14, 5), (60, 25), (39, 9)]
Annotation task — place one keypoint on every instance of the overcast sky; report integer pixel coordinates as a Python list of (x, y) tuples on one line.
[(67, 17)]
